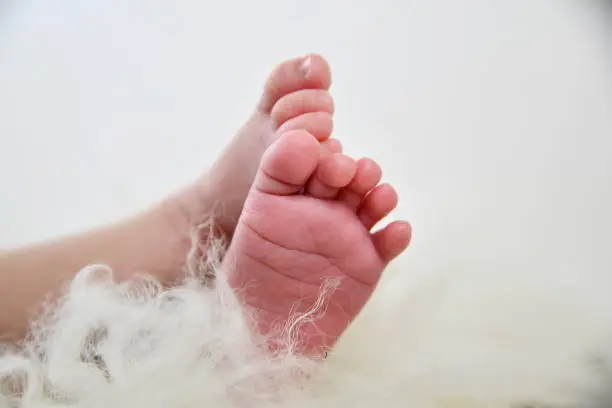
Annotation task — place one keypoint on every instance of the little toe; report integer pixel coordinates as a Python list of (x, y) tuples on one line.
[(288, 164), (300, 102), (392, 240), (368, 176), (310, 72), (377, 205), (319, 124), (333, 172)]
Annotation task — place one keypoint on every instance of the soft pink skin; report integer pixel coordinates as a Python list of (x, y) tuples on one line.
[(309, 217)]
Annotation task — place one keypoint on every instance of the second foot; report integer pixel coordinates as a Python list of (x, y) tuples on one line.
[(295, 96)]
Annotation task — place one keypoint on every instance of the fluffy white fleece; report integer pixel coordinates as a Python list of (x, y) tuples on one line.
[(514, 339)]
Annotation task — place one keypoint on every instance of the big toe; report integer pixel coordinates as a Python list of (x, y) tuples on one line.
[(288, 164), (309, 72)]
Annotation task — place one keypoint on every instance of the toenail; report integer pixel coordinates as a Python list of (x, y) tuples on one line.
[(306, 67)]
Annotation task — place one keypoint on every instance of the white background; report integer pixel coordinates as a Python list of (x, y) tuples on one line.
[(493, 118)]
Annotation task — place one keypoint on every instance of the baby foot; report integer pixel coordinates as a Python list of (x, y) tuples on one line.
[(309, 217), (295, 96)]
